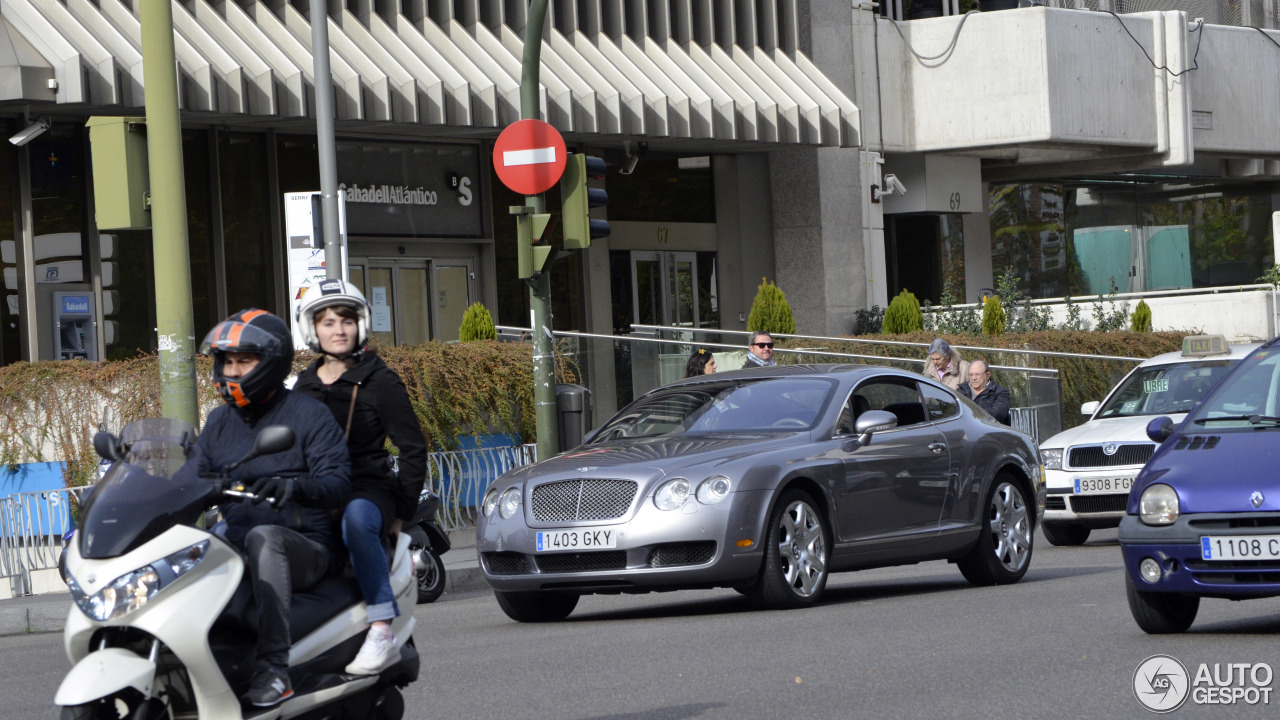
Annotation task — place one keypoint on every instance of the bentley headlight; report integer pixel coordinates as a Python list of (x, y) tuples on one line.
[(1051, 458), (490, 502), (1158, 505), (135, 589), (671, 494), (509, 503), (714, 489)]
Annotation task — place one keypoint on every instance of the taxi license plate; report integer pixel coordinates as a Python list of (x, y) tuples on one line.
[(578, 539), (1102, 486), (1240, 547)]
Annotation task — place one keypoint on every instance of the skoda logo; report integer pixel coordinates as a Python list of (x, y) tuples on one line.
[(1110, 448), (1256, 499)]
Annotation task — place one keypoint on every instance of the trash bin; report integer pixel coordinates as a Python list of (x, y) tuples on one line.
[(573, 414)]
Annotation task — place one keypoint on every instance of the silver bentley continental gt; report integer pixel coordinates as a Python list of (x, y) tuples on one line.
[(764, 480)]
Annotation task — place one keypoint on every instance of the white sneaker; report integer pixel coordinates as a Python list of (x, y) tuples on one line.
[(378, 653)]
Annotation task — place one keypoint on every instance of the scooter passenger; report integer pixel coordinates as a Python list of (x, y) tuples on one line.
[(370, 401), (290, 543)]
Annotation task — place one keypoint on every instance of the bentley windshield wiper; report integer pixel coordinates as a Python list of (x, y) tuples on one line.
[(1254, 419)]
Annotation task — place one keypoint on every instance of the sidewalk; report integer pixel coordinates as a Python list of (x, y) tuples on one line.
[(48, 613)]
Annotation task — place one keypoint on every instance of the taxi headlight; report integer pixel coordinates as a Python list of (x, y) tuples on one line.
[(672, 494), (713, 489), (1158, 505), (1051, 458), (509, 503), (490, 502), (135, 589)]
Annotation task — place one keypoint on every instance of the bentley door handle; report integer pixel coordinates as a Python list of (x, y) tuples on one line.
[(937, 447)]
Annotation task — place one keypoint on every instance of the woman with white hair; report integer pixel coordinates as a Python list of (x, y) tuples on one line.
[(946, 366)]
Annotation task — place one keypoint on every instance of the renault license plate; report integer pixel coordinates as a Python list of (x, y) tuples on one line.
[(577, 539), (1103, 485), (1240, 547)]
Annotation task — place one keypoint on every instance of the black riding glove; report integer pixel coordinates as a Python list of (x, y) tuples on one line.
[(276, 489)]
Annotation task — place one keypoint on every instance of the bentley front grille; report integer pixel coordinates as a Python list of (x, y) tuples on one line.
[(583, 562), (570, 500)]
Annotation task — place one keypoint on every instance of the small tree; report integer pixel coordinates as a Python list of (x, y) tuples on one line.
[(903, 314), (1140, 321), (770, 312), (992, 316), (477, 324)]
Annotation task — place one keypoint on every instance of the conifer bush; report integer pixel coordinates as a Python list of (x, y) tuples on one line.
[(903, 314), (477, 324), (992, 316), (1140, 320), (770, 311)]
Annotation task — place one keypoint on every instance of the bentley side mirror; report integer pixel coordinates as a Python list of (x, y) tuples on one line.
[(1159, 429), (873, 421)]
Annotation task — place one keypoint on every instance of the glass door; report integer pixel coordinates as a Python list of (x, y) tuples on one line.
[(397, 291), (452, 297), (664, 288)]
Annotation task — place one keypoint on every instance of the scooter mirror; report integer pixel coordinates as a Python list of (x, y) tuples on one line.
[(270, 439), (106, 445)]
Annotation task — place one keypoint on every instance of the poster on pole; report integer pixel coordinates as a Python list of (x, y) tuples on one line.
[(305, 246)]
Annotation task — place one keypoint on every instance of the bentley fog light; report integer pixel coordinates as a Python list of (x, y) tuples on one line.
[(1150, 570), (1051, 458), (135, 589), (672, 494), (509, 503), (490, 502), (1158, 505), (713, 489)]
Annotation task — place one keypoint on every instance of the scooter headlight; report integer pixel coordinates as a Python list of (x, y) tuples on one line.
[(133, 590)]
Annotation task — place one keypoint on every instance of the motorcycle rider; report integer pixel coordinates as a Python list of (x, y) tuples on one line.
[(289, 544), (370, 400)]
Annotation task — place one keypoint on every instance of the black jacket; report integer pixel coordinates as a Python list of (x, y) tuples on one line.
[(382, 410), (994, 399), (318, 461)]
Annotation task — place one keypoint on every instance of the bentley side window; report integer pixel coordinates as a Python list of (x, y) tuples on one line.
[(940, 404), (895, 395)]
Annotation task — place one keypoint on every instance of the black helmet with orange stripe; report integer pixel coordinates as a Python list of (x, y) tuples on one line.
[(250, 331)]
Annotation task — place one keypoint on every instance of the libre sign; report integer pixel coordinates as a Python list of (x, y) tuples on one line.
[(529, 156)]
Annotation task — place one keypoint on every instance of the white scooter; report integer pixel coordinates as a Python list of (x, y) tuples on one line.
[(162, 625)]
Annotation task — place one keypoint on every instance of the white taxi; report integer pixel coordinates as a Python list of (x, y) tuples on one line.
[(1089, 469)]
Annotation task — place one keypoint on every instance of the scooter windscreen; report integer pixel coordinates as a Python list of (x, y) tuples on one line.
[(148, 489)]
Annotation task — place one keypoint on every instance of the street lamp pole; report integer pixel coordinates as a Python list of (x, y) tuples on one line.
[(326, 145)]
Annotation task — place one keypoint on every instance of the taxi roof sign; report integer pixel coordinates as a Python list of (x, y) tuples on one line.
[(1199, 345)]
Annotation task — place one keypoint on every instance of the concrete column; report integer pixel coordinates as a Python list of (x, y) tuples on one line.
[(977, 250), (744, 233)]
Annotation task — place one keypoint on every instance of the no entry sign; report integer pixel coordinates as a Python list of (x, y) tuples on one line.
[(529, 156)]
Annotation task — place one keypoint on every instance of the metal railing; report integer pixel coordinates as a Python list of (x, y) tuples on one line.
[(1026, 420), (1244, 13), (31, 528), (462, 476)]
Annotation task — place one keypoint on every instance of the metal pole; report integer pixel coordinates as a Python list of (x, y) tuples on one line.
[(544, 371), (326, 146), (168, 215)]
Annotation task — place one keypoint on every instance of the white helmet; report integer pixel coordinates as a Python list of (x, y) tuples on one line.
[(331, 292)]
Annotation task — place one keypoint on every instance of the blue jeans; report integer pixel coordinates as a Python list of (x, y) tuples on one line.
[(362, 532)]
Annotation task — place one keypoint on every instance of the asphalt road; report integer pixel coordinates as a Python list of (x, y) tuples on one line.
[(909, 642)]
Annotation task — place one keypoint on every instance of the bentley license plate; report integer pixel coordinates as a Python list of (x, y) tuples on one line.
[(1240, 547), (578, 539), (1103, 485)]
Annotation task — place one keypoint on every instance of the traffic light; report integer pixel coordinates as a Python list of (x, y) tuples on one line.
[(576, 201), (531, 251)]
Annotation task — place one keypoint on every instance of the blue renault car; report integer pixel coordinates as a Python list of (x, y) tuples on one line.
[(1203, 519)]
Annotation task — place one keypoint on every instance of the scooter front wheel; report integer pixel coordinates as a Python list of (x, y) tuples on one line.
[(128, 704), (429, 568)]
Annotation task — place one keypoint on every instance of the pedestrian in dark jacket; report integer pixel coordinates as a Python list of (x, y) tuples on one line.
[(985, 392), (371, 403), (289, 544)]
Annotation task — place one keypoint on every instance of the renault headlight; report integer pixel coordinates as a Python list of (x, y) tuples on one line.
[(135, 589), (490, 502), (1158, 505), (1051, 458), (509, 503), (671, 494), (714, 489)]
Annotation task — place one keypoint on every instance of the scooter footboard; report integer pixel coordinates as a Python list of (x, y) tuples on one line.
[(103, 673)]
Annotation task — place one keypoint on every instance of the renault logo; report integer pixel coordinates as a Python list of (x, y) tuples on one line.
[(1256, 498), (1110, 448)]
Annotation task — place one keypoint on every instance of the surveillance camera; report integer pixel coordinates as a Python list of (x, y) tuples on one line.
[(894, 186), (632, 157), (31, 132)]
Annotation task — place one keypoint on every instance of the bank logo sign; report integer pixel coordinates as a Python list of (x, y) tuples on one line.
[(1163, 684)]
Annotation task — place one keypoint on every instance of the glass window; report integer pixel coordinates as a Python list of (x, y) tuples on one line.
[(1249, 398), (898, 396), (1164, 389), (939, 403), (247, 234), (658, 190)]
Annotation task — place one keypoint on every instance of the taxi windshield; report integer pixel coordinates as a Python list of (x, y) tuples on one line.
[(1248, 399), (1164, 389)]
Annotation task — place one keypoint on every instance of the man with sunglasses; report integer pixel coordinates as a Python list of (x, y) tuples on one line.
[(760, 351)]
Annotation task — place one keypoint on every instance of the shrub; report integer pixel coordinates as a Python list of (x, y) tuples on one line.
[(770, 312), (1140, 321), (477, 324), (868, 322), (992, 316), (903, 314)]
